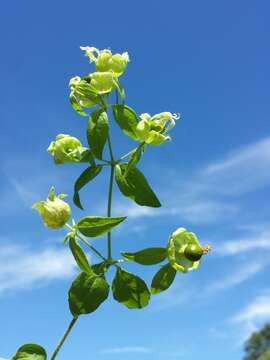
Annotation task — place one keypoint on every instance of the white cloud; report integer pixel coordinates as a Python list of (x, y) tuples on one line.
[(211, 193), (243, 170), (258, 241), (237, 276), (128, 349), (258, 310), (21, 268)]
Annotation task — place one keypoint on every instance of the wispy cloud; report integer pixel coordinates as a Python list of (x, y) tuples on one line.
[(257, 310), (237, 276), (127, 349), (21, 268), (211, 193), (242, 170), (258, 241)]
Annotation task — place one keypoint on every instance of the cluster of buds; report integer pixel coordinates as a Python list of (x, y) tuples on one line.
[(66, 149), (153, 130), (185, 251), (104, 80), (54, 211), (105, 61)]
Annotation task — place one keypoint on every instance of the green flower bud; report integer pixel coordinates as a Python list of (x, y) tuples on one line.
[(54, 211), (82, 90), (155, 138), (106, 61), (103, 61), (153, 130), (185, 251), (66, 149), (143, 129), (74, 82), (102, 82), (118, 63)]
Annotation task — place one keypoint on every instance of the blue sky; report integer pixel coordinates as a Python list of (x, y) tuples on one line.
[(209, 61)]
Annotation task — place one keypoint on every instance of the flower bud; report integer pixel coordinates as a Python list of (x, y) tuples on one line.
[(54, 211), (103, 61), (185, 251), (155, 138), (106, 61), (143, 129), (73, 82), (153, 130), (102, 82), (118, 63), (66, 149)]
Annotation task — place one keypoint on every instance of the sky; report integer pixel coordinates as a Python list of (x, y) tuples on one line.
[(207, 60)]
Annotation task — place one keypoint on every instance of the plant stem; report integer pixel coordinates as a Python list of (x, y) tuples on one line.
[(109, 207), (61, 342), (87, 243), (90, 246)]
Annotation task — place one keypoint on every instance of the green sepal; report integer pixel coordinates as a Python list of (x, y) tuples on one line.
[(97, 131), (87, 293), (80, 256), (130, 290), (75, 104), (93, 226), (163, 279), (135, 186), (86, 176), (120, 90), (126, 118), (30, 352), (150, 256)]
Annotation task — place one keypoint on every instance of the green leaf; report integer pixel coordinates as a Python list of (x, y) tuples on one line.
[(100, 268), (87, 293), (135, 186), (150, 256), (75, 104), (126, 118), (93, 226), (130, 290), (80, 256), (86, 176), (97, 131), (134, 158), (163, 279), (30, 352)]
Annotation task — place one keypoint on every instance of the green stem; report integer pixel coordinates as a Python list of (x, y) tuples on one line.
[(109, 207), (61, 342), (130, 152), (87, 243)]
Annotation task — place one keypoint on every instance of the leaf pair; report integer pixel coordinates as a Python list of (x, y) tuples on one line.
[(151, 256)]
